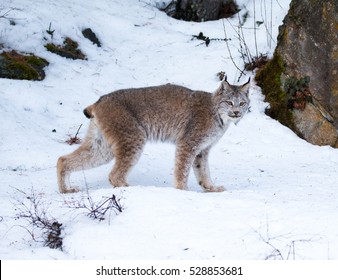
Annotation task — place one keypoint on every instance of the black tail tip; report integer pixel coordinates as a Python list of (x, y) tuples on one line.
[(87, 113)]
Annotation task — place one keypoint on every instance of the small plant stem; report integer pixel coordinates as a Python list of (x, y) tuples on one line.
[(228, 47), (270, 33), (78, 130), (255, 32), (242, 40)]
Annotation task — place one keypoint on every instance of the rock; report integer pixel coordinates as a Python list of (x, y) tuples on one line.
[(314, 127), (69, 49), (201, 10), (22, 67), (91, 36), (307, 47)]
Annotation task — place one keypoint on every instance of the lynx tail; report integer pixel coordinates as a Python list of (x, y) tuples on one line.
[(88, 112)]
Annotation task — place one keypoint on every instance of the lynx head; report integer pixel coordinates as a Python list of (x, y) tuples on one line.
[(232, 101)]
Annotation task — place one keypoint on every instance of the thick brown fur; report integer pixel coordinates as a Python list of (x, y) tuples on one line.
[(123, 121)]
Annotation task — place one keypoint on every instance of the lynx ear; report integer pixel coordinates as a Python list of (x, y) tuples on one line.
[(225, 86), (245, 87)]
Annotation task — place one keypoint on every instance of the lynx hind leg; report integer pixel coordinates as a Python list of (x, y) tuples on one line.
[(202, 173), (126, 154), (94, 151)]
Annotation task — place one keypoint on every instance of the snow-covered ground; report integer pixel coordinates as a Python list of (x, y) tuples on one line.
[(282, 192)]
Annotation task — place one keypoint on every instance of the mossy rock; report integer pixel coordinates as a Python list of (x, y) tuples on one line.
[(300, 81), (22, 67), (69, 49), (269, 79)]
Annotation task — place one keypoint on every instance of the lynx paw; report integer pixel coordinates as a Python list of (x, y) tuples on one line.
[(183, 188), (214, 188), (70, 190), (118, 182)]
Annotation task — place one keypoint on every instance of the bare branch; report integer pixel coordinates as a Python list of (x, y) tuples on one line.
[(228, 47), (42, 227), (97, 210), (74, 140)]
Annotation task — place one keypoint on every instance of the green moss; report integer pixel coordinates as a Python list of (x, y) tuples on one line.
[(22, 67), (23, 70), (36, 61), (269, 79), (294, 14), (69, 49), (51, 47)]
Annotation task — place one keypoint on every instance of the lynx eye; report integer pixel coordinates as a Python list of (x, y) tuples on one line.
[(241, 104), (229, 102)]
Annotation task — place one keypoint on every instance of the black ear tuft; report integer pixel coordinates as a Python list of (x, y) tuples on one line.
[(245, 87), (225, 86)]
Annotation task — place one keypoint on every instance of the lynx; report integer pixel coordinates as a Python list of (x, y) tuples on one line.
[(123, 121)]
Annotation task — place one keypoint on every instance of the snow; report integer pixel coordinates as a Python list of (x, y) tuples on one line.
[(281, 191)]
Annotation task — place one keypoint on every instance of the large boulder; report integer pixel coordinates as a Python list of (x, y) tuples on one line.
[(201, 10), (307, 48)]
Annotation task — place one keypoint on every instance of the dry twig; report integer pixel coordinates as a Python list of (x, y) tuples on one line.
[(42, 227), (75, 139)]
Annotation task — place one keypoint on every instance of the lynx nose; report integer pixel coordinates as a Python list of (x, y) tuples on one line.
[(236, 114)]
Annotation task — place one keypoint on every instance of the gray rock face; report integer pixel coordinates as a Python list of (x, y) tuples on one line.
[(308, 46), (314, 126)]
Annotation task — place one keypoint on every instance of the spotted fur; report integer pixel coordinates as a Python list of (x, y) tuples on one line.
[(123, 121)]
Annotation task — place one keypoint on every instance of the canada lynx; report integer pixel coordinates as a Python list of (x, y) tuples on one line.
[(123, 121)]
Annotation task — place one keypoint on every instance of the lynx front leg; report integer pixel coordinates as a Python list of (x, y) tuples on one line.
[(184, 158), (202, 173)]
